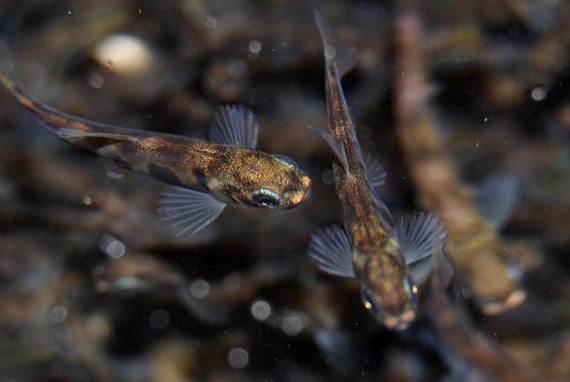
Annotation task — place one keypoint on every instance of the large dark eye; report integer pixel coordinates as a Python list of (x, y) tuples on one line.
[(265, 198)]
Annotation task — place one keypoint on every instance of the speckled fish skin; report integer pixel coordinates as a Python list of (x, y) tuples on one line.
[(387, 290), (231, 174)]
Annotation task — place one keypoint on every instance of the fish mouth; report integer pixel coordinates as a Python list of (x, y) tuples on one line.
[(308, 193), (495, 306), (294, 198), (400, 322)]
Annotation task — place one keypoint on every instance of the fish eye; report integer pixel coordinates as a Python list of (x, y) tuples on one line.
[(265, 198), (367, 300), (285, 159), (410, 287)]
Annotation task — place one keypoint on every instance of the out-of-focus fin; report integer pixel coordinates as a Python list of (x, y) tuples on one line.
[(344, 57), (326, 37), (443, 271), (331, 251), (496, 198), (9, 75), (185, 212), (235, 125), (202, 308), (334, 144), (374, 170), (420, 270), (346, 60), (415, 233), (70, 133)]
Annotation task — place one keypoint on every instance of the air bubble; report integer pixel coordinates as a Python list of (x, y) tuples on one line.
[(200, 288), (238, 358), (260, 310)]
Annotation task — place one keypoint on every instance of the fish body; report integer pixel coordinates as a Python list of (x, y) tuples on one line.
[(469, 354), (204, 176), (482, 257), (370, 247)]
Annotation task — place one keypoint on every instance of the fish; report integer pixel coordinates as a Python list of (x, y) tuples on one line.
[(203, 176), (469, 354), (485, 261), (371, 246)]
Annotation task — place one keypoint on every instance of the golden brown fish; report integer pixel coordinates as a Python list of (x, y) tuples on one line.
[(473, 243), (469, 354), (370, 247), (205, 176)]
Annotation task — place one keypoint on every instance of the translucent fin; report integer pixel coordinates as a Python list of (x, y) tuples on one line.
[(416, 233), (374, 170), (185, 212), (334, 145), (347, 60), (496, 198), (203, 309), (443, 271), (234, 125), (420, 270), (344, 56), (9, 73), (331, 252), (70, 133)]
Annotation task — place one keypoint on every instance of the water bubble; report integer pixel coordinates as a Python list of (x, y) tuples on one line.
[(292, 325), (330, 52), (57, 314), (254, 46), (159, 319), (96, 80), (238, 358), (112, 247), (538, 93), (210, 22), (200, 288), (260, 310), (327, 176)]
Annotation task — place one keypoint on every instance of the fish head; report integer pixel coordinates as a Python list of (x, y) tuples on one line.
[(391, 298), (258, 179)]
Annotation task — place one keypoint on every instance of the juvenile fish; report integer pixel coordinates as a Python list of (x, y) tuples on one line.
[(204, 176), (370, 247), (474, 243), (469, 354)]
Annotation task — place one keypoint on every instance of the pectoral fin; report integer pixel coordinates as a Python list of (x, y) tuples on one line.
[(331, 252), (185, 212), (374, 170), (420, 270), (416, 233), (334, 144), (235, 125), (496, 198)]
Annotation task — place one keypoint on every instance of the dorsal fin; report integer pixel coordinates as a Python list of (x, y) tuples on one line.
[(334, 144), (235, 125)]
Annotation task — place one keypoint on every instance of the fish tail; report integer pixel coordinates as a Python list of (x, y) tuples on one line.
[(344, 59), (64, 125)]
